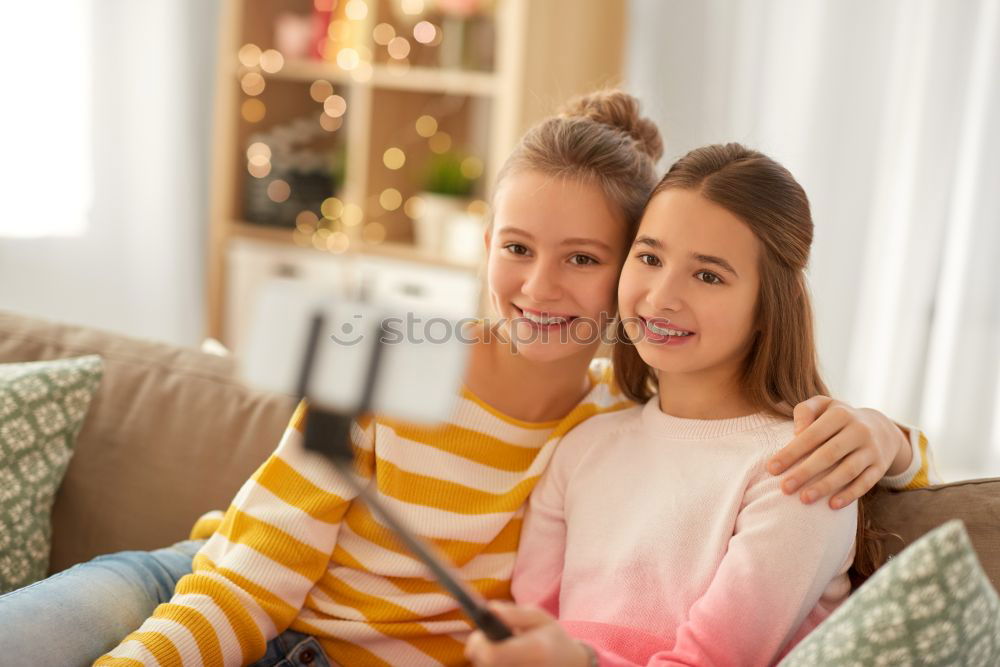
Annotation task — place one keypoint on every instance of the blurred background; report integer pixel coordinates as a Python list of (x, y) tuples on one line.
[(163, 158)]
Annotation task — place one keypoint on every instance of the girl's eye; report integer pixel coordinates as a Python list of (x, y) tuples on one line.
[(584, 260), (647, 259), (713, 279), (516, 248)]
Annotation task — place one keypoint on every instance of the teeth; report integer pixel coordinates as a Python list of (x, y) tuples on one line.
[(666, 332), (543, 320)]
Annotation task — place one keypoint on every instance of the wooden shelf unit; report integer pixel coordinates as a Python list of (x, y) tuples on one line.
[(544, 52)]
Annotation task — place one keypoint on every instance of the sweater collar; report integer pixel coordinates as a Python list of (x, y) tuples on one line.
[(657, 423)]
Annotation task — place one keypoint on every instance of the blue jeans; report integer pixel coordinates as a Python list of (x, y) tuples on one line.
[(79, 614)]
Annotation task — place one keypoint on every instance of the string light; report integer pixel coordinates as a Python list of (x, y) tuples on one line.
[(399, 48), (390, 199), (352, 215), (335, 106), (272, 61), (249, 55), (338, 242), (331, 208), (306, 221), (278, 191), (394, 158), (259, 148), (472, 168), (252, 83), (413, 7), (339, 31), (427, 126), (424, 32), (440, 142), (253, 110), (259, 170), (383, 34), (356, 10), (320, 90), (363, 72), (373, 232), (348, 59), (478, 207), (414, 207), (330, 124)]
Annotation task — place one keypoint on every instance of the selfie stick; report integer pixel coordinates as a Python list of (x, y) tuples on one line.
[(328, 433)]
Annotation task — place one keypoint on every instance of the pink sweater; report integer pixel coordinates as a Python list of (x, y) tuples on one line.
[(664, 541)]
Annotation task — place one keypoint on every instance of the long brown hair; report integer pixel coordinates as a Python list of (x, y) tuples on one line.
[(780, 368), (598, 138)]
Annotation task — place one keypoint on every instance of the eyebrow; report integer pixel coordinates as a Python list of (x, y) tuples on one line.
[(708, 259), (572, 241)]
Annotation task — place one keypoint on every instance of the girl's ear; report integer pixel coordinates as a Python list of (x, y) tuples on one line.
[(487, 235)]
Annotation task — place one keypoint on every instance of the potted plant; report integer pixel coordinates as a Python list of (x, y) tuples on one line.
[(446, 194)]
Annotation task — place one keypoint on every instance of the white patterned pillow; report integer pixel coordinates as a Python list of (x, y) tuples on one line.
[(930, 605), (42, 406)]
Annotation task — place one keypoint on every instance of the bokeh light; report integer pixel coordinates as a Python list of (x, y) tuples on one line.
[(332, 208), (356, 10), (334, 106), (413, 7), (394, 158), (440, 142), (259, 170), (352, 215), (339, 31), (272, 61), (252, 83), (278, 190), (320, 90), (249, 55), (478, 207), (363, 72), (472, 168), (253, 110), (383, 34), (306, 221), (427, 126), (330, 124), (348, 59), (424, 32), (259, 149), (399, 48), (390, 199), (338, 242), (373, 232), (414, 207)]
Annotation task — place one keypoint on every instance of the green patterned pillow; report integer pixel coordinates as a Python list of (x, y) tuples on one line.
[(42, 406), (930, 605)]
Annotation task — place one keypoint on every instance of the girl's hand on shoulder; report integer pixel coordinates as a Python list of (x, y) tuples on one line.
[(538, 640), (839, 449)]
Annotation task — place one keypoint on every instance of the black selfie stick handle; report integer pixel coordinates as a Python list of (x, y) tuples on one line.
[(329, 433)]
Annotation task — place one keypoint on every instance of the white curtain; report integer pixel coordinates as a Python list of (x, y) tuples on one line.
[(134, 262), (889, 115)]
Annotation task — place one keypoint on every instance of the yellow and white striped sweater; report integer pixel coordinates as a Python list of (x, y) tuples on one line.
[(294, 551)]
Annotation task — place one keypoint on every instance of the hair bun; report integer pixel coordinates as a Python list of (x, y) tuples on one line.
[(619, 110)]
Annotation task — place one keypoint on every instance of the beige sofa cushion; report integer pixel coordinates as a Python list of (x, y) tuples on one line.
[(170, 434)]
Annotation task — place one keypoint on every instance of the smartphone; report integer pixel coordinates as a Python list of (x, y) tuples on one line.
[(348, 357)]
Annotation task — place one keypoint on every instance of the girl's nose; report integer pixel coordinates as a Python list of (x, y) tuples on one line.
[(665, 293), (542, 283)]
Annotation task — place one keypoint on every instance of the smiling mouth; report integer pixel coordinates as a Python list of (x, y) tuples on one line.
[(544, 319), (661, 330)]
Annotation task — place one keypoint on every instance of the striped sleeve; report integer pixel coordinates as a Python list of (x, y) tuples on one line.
[(921, 472), (252, 576)]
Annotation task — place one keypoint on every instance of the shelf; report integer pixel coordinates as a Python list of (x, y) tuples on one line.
[(426, 79), (402, 251)]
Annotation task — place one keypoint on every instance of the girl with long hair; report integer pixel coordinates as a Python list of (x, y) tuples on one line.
[(658, 535)]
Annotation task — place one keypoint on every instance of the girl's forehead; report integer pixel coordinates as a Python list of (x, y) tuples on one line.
[(685, 220)]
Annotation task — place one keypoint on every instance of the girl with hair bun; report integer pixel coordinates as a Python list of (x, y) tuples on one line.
[(657, 535), (295, 562)]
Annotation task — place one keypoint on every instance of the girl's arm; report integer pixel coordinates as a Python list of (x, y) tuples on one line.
[(780, 561), (252, 576), (844, 451)]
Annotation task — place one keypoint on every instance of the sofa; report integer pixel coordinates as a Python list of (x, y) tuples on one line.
[(173, 433)]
